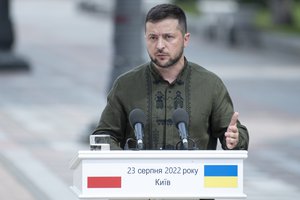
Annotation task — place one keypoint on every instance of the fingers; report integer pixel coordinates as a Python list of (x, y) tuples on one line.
[(231, 139), (234, 119), (232, 129), (231, 144), (232, 134)]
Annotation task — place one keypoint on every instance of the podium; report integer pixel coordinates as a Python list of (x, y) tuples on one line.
[(158, 174)]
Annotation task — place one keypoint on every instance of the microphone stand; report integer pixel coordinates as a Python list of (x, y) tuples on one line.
[(181, 146), (126, 147), (139, 146)]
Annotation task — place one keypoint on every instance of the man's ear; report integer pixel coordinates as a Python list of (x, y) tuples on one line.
[(186, 39)]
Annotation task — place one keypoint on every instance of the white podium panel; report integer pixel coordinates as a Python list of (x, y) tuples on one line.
[(158, 174)]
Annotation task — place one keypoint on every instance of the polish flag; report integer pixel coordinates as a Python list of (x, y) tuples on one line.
[(104, 182)]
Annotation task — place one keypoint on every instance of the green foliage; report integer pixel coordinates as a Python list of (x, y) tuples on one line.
[(296, 14), (264, 21), (189, 6), (256, 2)]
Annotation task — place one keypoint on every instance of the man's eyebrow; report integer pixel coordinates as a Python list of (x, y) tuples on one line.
[(168, 33)]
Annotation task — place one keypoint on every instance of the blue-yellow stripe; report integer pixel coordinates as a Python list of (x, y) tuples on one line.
[(221, 176), (220, 170), (221, 182)]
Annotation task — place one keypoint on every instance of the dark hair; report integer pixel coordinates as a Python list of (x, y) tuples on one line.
[(165, 11)]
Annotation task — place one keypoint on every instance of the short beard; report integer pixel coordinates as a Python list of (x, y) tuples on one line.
[(170, 63)]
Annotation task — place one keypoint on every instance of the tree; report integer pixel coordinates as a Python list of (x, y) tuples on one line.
[(8, 61), (6, 28), (281, 12)]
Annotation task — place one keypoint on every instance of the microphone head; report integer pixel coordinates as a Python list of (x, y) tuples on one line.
[(180, 115), (137, 116)]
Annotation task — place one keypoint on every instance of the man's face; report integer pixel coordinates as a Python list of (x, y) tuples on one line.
[(165, 42)]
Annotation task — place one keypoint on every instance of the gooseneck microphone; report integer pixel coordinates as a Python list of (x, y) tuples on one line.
[(180, 118), (137, 119)]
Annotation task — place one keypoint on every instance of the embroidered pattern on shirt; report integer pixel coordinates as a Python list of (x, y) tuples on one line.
[(155, 135), (159, 100), (149, 136), (178, 100), (164, 122)]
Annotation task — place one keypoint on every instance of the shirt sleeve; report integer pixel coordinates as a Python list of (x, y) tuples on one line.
[(112, 121), (221, 115)]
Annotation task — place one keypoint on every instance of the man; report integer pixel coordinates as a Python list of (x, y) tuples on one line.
[(166, 83)]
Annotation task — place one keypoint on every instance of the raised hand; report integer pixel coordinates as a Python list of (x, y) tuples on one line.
[(232, 133)]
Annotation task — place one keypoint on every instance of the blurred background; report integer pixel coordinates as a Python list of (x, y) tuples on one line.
[(58, 59)]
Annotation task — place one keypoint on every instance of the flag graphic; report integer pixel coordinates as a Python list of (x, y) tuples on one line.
[(220, 176), (104, 182)]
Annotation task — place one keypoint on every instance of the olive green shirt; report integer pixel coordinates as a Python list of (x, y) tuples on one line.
[(200, 92)]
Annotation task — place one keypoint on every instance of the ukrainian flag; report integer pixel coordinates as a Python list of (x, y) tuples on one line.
[(220, 176)]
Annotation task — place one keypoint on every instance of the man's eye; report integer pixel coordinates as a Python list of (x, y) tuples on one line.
[(152, 37), (168, 37)]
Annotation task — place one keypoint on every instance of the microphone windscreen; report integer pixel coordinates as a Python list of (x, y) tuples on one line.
[(137, 116), (180, 115)]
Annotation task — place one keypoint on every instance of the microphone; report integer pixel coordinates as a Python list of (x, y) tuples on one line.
[(137, 119), (180, 119)]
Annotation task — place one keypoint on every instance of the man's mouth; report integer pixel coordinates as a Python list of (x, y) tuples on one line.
[(161, 54)]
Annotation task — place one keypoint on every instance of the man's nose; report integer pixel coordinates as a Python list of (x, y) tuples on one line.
[(160, 44)]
